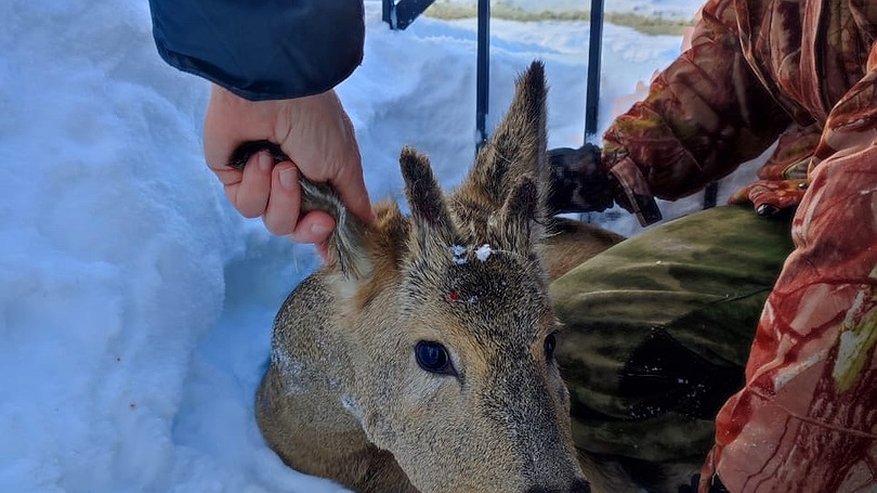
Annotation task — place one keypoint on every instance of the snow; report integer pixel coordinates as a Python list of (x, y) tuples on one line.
[(135, 304), (483, 252), (458, 254)]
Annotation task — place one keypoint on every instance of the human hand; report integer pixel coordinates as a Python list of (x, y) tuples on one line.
[(771, 197), (578, 182), (318, 137)]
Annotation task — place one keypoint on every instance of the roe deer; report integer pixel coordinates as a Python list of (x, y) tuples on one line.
[(421, 358)]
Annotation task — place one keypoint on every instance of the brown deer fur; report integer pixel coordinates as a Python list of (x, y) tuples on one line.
[(344, 397)]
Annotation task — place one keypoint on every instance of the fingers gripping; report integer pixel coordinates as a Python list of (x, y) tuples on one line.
[(314, 197)]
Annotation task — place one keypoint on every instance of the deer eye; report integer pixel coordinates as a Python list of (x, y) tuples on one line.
[(550, 344), (433, 357)]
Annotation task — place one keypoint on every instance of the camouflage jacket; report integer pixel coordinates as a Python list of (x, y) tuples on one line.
[(757, 70), (803, 71)]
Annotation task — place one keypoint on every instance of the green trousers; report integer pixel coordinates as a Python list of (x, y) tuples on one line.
[(658, 329)]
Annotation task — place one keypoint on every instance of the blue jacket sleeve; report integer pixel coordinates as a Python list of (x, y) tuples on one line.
[(262, 49)]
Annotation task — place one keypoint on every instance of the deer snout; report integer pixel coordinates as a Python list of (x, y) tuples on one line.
[(577, 486)]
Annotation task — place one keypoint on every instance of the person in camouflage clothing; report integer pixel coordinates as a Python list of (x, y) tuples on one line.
[(719, 339)]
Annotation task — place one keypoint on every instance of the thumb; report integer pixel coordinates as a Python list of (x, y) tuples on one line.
[(350, 187)]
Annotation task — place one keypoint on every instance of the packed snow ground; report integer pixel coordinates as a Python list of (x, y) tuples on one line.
[(135, 304)]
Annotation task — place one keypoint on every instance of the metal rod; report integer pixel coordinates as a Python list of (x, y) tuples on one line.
[(400, 14), (388, 7), (483, 72), (711, 195), (408, 10), (595, 50)]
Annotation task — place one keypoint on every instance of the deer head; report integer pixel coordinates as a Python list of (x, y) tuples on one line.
[(448, 330)]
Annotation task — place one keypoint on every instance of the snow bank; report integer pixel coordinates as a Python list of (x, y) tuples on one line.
[(114, 246), (135, 305)]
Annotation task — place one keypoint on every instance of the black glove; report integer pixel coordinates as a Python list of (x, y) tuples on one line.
[(578, 182), (716, 485)]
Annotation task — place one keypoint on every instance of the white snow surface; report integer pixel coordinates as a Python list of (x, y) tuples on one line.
[(135, 304)]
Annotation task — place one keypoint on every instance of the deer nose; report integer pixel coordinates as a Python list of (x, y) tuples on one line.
[(577, 486)]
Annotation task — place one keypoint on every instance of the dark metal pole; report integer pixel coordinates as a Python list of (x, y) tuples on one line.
[(483, 72), (595, 50), (389, 6), (711, 195)]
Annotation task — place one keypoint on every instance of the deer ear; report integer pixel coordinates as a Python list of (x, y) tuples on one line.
[(518, 146), (349, 246), (520, 219), (432, 219)]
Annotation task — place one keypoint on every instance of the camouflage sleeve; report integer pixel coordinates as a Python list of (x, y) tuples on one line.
[(809, 401), (704, 115)]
